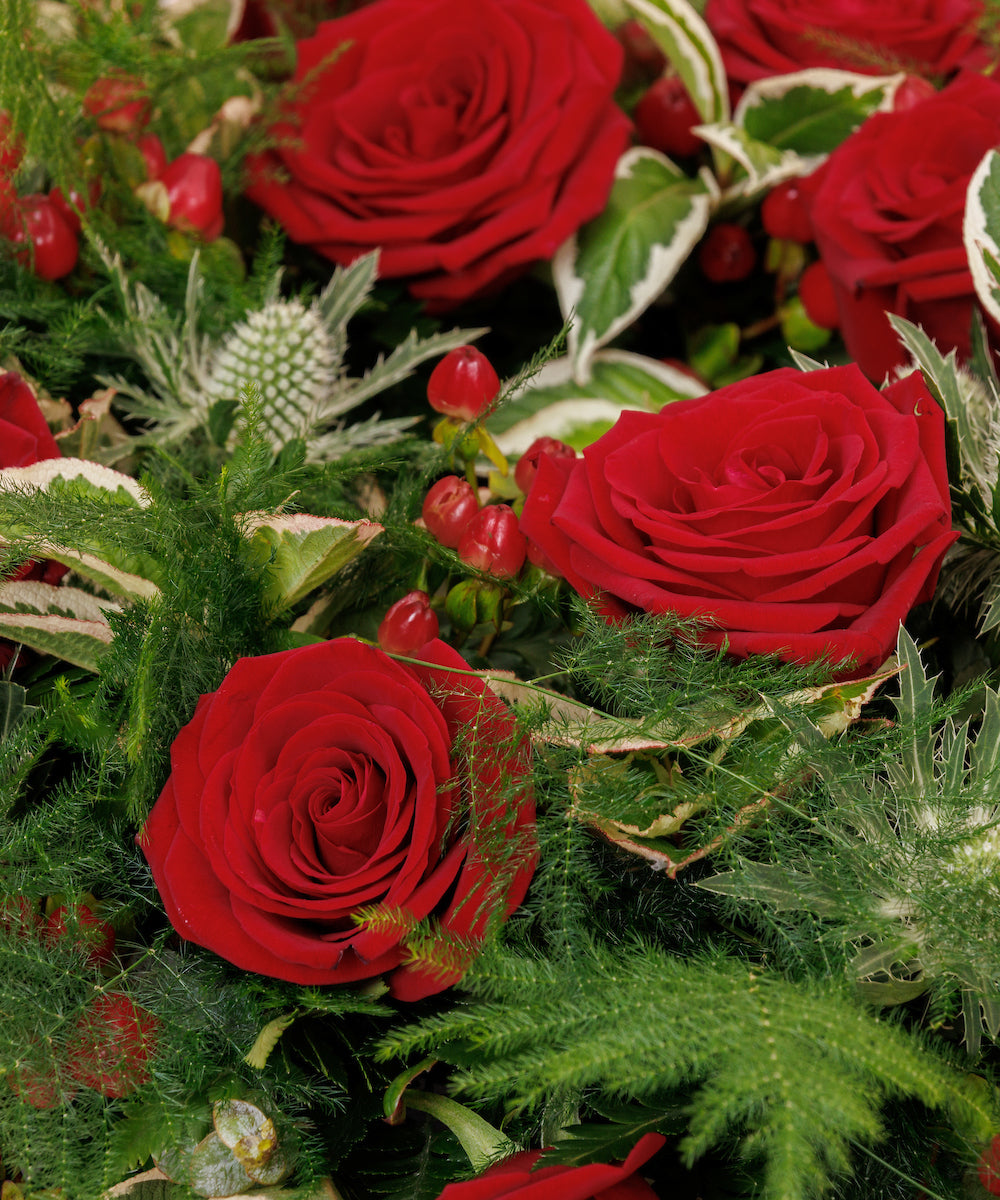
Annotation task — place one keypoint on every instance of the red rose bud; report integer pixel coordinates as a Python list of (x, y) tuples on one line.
[(409, 624), (726, 255), (94, 936), (785, 214), (527, 464), (463, 384), (111, 1044), (119, 103), (664, 116), (154, 156), (817, 296), (194, 190), (54, 248), (494, 543), (448, 508)]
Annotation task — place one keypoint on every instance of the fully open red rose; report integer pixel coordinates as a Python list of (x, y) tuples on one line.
[(758, 38), (887, 209), (513, 1179), (322, 780), (800, 513), (466, 140)]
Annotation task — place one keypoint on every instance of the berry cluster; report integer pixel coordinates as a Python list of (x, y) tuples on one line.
[(477, 523), (108, 1047)]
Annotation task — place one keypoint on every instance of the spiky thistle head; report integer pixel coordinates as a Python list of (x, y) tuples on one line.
[(286, 350)]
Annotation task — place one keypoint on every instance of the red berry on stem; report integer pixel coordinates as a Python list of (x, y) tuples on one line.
[(92, 934), (409, 624), (527, 464), (785, 214), (463, 384), (989, 1167), (494, 543), (75, 203), (818, 297), (194, 190), (111, 1044), (155, 157), (642, 55), (448, 508), (726, 255), (54, 245), (664, 116), (119, 103)]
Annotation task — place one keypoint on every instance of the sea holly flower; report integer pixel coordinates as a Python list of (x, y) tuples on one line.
[(323, 785)]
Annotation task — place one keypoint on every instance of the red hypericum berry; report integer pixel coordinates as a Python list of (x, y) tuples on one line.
[(912, 91), (643, 57), (818, 297), (93, 935), (726, 255), (75, 203), (527, 464), (494, 543), (19, 916), (448, 508), (118, 103), (989, 1167), (194, 189), (40, 1091), (409, 624), (11, 145), (111, 1044), (155, 157), (785, 214), (463, 384), (664, 116), (54, 245)]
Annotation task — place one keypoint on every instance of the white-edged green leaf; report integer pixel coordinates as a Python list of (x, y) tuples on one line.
[(681, 33), (617, 264), (78, 642), (981, 231), (31, 595), (786, 125), (88, 475), (554, 405), (118, 582), (305, 551)]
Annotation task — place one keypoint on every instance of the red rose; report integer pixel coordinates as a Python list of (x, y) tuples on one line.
[(514, 1179), (758, 38), (800, 513), (321, 780), (465, 140), (887, 209)]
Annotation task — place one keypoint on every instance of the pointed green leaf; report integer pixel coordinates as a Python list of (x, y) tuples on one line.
[(75, 641), (681, 33), (12, 706), (305, 551), (105, 575), (981, 230), (616, 265)]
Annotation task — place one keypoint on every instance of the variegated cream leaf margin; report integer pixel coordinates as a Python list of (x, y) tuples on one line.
[(981, 230)]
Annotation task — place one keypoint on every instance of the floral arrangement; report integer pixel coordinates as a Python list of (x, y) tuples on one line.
[(500, 534)]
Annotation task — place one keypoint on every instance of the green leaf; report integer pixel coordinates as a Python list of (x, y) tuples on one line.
[(305, 551), (79, 642), (85, 478), (556, 406), (812, 112), (981, 231), (681, 33), (12, 706), (616, 265), (586, 1143), (785, 890), (267, 1039)]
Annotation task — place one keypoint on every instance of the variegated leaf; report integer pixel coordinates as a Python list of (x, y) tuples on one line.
[(981, 230), (616, 266), (305, 551), (76, 641), (89, 475), (685, 39)]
